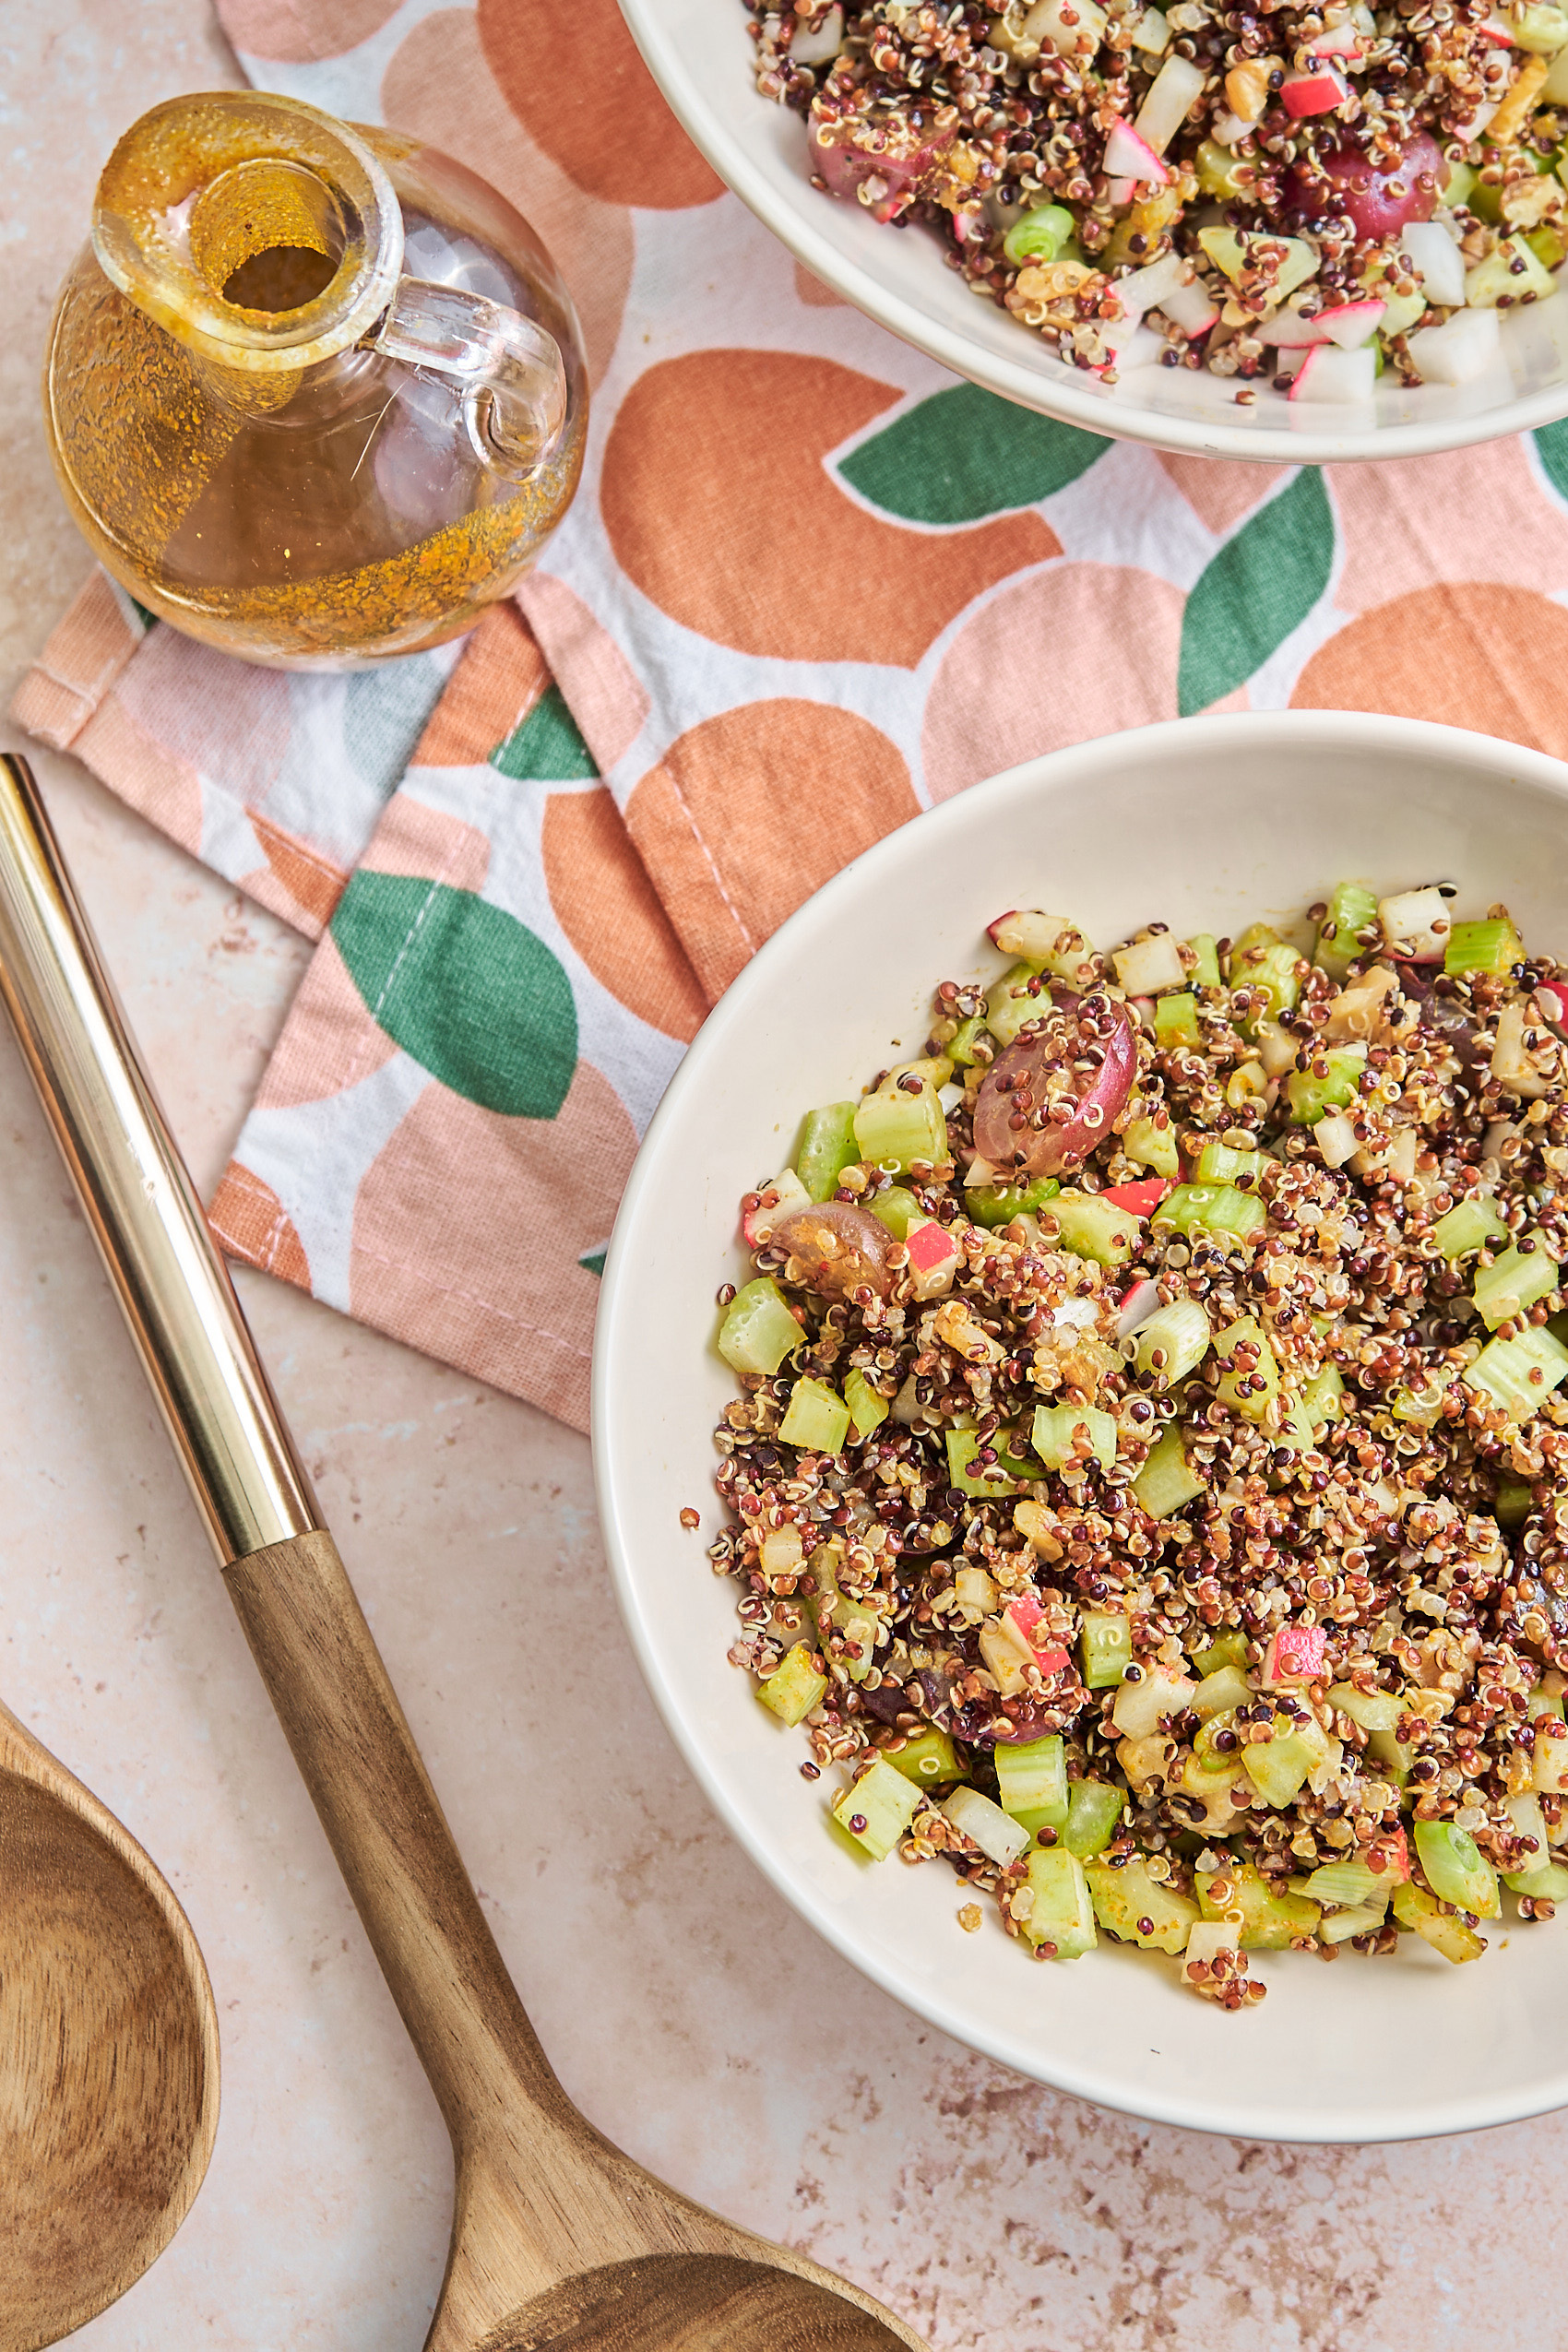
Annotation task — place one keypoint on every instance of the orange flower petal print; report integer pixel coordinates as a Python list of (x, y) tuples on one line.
[(1220, 489), (765, 553), (301, 32), (1073, 652), (1487, 656), (572, 78), (605, 903), (251, 1223), (484, 1272), (439, 87), (747, 814), (309, 884), (1480, 512)]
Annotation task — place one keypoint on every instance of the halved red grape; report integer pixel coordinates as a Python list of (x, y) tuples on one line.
[(839, 1248), (1014, 1087), (1379, 199)]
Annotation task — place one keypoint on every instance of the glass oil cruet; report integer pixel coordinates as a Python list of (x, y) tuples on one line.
[(316, 393)]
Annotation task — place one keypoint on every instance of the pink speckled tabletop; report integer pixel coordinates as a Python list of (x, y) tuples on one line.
[(694, 2019)]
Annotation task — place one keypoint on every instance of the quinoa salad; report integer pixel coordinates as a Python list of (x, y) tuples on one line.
[(1148, 1482), (1301, 197)]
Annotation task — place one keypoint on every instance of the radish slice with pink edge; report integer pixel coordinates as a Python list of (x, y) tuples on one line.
[(1120, 192), (1190, 309), (1339, 41), (1288, 331), (1128, 157), (1141, 1301), (1318, 90), (1146, 287), (1328, 373), (1142, 348), (1498, 30), (1436, 260), (1174, 91), (1352, 324), (1461, 349)]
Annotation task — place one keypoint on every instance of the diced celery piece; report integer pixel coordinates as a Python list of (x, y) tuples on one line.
[(1216, 168), (1357, 1919), (1234, 251), (1491, 946), (1497, 276), (961, 1047), (1221, 1692), (1105, 1646), (1519, 1374), (1330, 1081), (1062, 1912), (1219, 1164), (1352, 908), (1094, 1816), (1468, 1226), (1414, 1908), (1323, 1398), (1547, 1881), (1176, 1021), (816, 1418), (1279, 1767), (1123, 1899), (893, 1129), (1152, 1147), (1513, 1281), (1456, 1870), (895, 1207), (795, 1688), (1094, 1228), (868, 1408), (1543, 1703), (1004, 1476), (1230, 1648), (883, 1803), (1270, 1921), (1373, 1710), (1205, 971), (1247, 1393), (1273, 970), (928, 1758), (1349, 1885), (758, 1331), (1013, 1000), (995, 1204), (1055, 1429), (1419, 1402), (827, 1147), (1174, 1341), (1167, 1482), (837, 1612), (1212, 1208), (1038, 235), (1515, 1501), (1032, 1778)]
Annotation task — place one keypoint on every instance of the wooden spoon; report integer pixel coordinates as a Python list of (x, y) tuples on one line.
[(558, 2239), (108, 2052)]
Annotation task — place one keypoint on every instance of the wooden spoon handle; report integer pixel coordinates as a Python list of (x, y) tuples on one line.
[(357, 1758)]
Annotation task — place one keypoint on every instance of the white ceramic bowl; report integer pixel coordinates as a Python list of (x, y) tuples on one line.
[(1204, 823), (702, 57)]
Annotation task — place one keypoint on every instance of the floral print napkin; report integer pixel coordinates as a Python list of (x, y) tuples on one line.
[(811, 586)]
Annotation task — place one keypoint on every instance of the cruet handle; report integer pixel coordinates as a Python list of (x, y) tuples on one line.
[(508, 368)]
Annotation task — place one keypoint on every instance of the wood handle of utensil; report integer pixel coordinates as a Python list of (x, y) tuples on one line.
[(357, 1758)]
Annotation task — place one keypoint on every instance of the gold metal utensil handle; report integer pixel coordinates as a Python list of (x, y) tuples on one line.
[(248, 1481)]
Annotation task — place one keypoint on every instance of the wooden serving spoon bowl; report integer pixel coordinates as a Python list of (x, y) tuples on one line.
[(108, 2052), (560, 2243)]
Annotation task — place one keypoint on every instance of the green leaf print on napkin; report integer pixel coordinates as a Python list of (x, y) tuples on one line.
[(1551, 447), (464, 988), (1261, 584), (547, 746), (964, 454)]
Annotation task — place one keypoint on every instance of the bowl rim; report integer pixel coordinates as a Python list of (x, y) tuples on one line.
[(615, 1344), (1026, 386)]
